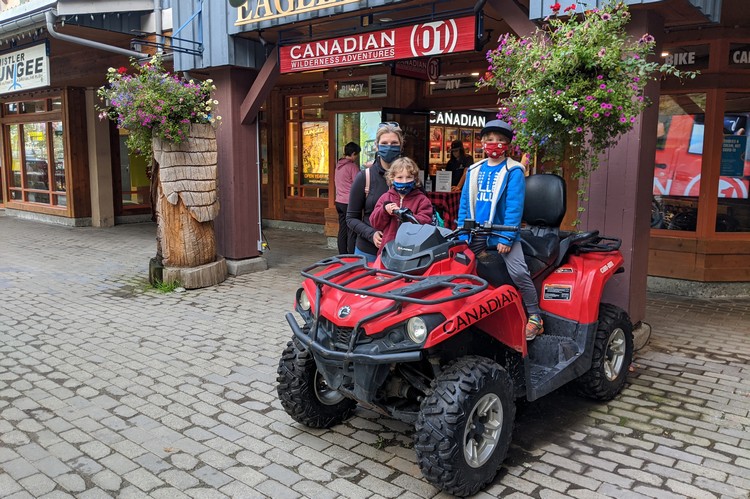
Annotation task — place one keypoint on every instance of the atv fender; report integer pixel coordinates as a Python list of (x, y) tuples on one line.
[(498, 312)]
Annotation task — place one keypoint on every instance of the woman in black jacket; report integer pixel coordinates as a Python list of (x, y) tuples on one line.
[(390, 140), (458, 163)]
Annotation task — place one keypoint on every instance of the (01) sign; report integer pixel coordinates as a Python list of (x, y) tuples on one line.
[(422, 40)]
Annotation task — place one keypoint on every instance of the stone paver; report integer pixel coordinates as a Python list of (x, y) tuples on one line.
[(110, 388)]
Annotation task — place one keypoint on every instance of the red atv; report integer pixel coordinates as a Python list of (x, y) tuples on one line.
[(433, 336)]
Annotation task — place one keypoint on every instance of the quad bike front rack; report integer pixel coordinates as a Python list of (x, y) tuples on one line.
[(461, 285), (349, 272)]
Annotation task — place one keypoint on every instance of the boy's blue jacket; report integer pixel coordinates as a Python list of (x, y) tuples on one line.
[(507, 199)]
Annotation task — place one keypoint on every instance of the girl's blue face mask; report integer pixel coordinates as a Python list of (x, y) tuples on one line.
[(404, 188), (389, 152)]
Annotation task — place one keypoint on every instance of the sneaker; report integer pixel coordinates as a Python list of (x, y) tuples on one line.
[(534, 327)]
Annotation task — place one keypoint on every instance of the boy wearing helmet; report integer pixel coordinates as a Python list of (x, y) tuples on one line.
[(494, 191)]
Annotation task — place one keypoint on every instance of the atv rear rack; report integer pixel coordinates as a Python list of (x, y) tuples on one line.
[(600, 244), (461, 285)]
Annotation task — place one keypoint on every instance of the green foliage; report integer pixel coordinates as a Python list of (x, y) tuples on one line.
[(152, 102), (575, 85), (166, 287)]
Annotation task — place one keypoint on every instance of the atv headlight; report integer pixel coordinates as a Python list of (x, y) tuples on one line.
[(417, 329), (302, 300)]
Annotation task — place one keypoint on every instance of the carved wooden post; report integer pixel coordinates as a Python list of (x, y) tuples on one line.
[(186, 206)]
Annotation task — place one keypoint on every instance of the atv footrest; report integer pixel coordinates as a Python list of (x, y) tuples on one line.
[(552, 361), (548, 350)]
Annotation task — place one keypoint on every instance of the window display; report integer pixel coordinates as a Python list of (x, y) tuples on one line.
[(733, 210), (360, 128), (677, 167), (37, 161), (307, 155)]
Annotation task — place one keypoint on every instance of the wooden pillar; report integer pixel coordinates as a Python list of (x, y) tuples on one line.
[(238, 223), (100, 165), (620, 192)]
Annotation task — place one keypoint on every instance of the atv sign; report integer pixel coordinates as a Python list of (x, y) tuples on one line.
[(429, 39)]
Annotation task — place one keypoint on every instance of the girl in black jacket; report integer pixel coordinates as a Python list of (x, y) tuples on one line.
[(390, 140)]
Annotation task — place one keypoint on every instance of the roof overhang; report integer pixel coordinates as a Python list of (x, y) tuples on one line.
[(75, 7), (689, 11)]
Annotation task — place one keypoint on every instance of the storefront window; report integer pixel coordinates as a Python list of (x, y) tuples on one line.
[(677, 167), (135, 185), (733, 211), (308, 157), (359, 128), (35, 169), (37, 163)]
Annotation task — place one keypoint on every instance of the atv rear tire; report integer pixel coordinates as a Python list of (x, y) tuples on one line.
[(613, 353), (304, 393), (465, 426)]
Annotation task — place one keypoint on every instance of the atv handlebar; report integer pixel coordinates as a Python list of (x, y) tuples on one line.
[(472, 227), (405, 215)]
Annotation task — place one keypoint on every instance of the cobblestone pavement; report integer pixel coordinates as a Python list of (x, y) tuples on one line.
[(110, 388)]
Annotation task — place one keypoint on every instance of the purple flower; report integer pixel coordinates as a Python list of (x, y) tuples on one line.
[(600, 77), (595, 115), (623, 119), (602, 86), (579, 129), (589, 97), (602, 52), (606, 17)]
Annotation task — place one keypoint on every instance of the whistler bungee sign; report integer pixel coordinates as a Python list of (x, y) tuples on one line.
[(422, 40), (24, 69)]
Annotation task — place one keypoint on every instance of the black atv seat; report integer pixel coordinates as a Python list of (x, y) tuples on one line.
[(543, 211)]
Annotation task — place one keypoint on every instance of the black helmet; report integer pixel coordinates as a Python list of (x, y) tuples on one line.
[(498, 126)]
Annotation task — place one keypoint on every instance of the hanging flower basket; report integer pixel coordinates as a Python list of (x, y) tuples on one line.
[(573, 87)]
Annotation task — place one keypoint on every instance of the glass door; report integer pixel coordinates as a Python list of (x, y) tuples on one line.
[(415, 124)]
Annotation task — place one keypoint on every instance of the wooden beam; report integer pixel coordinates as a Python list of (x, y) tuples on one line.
[(261, 88), (514, 15)]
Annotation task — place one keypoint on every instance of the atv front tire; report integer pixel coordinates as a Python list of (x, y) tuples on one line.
[(613, 353), (304, 393), (465, 426)]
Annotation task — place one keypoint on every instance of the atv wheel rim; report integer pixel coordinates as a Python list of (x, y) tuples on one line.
[(615, 355), (324, 393), (483, 430)]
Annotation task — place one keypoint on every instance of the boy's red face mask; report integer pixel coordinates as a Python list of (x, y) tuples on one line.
[(495, 150)]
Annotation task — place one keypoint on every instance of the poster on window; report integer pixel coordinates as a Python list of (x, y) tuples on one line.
[(451, 134), (436, 144), (315, 152), (477, 150), (467, 139), (733, 152)]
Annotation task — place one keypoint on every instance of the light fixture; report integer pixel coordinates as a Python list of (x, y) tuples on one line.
[(433, 83), (664, 54), (474, 74), (385, 20)]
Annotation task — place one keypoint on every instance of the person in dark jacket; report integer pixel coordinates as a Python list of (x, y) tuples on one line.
[(458, 163), (369, 186), (405, 192), (347, 169)]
